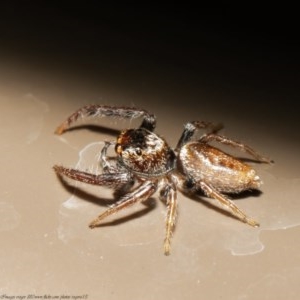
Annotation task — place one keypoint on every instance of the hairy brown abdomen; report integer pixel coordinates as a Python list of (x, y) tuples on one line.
[(202, 162)]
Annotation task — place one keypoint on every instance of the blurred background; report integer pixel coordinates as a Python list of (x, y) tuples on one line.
[(176, 54), (238, 65)]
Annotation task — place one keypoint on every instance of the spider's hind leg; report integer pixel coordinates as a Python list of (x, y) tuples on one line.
[(227, 203), (224, 140)]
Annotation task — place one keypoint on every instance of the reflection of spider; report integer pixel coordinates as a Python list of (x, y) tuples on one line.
[(145, 163)]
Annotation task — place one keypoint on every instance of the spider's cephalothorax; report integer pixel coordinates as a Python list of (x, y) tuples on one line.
[(144, 153), (144, 163)]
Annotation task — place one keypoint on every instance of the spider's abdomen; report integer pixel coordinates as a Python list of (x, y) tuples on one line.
[(202, 162), (144, 153)]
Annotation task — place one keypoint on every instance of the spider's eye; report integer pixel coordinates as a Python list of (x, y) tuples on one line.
[(138, 151)]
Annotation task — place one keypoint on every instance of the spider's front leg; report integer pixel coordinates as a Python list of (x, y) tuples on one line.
[(141, 193), (92, 111)]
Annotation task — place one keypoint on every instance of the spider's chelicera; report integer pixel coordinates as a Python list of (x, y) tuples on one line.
[(145, 163)]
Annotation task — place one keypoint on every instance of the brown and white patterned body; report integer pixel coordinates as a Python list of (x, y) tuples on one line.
[(145, 163)]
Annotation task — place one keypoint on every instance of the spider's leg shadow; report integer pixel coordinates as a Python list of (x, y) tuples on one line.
[(95, 128)]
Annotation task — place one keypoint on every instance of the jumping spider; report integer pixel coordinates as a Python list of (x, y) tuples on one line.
[(145, 163)]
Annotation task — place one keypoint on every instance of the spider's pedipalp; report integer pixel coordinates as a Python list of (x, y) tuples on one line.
[(105, 163)]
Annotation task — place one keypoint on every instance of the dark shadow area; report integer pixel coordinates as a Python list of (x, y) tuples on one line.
[(199, 42), (218, 51), (95, 128)]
